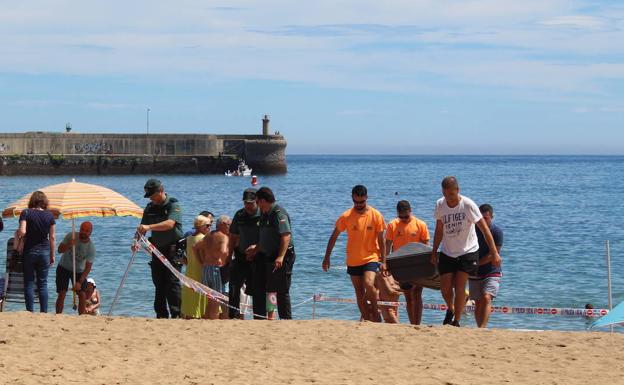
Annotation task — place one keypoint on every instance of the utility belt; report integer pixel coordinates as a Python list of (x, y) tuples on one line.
[(173, 252)]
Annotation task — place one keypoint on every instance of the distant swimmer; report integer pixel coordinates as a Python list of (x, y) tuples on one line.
[(484, 286), (366, 251), (456, 216)]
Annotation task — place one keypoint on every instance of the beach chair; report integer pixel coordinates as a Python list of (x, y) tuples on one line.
[(12, 284)]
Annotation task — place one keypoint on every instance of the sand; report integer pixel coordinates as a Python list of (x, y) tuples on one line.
[(48, 349)]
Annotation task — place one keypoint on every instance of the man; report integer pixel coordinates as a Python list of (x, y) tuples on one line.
[(366, 252), (484, 287), (163, 217), (212, 252), (243, 234), (404, 229), (274, 256), (456, 216), (85, 255)]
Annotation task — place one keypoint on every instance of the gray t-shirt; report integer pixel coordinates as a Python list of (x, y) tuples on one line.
[(84, 252)]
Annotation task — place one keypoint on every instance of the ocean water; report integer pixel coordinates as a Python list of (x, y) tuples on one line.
[(556, 212)]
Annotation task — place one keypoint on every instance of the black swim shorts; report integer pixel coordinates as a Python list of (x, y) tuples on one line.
[(468, 263)]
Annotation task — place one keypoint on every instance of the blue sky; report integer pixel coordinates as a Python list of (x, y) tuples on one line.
[(394, 76)]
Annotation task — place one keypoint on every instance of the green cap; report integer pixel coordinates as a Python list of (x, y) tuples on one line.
[(151, 187)]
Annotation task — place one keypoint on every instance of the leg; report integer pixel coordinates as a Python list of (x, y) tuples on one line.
[(160, 299), (62, 281), (417, 305), (42, 267), (389, 313), (173, 291), (283, 305), (60, 301), (82, 302), (370, 294), (460, 293), (29, 282), (236, 282), (259, 287), (409, 304), (486, 308), (358, 286), (446, 288)]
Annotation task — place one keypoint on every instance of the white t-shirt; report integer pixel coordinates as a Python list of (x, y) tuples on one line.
[(459, 226)]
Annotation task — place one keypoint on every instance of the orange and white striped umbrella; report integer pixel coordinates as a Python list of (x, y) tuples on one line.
[(74, 200)]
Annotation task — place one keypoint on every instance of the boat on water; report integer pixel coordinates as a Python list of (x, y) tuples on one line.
[(242, 170)]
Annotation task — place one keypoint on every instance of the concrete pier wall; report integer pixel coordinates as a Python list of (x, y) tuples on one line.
[(40, 152)]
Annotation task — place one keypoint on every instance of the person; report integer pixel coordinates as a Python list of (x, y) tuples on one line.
[(243, 234), (194, 304), (484, 286), (163, 217), (92, 298), (85, 256), (37, 232), (366, 252), (274, 256), (203, 213), (212, 251), (404, 229), (456, 216)]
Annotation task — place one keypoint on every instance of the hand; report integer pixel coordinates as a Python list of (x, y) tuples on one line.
[(71, 243), (496, 259), (434, 258), (51, 259), (142, 229), (78, 286), (384, 269), (326, 264), (250, 252), (279, 262)]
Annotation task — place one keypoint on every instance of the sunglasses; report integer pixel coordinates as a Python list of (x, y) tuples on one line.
[(404, 216), (359, 202)]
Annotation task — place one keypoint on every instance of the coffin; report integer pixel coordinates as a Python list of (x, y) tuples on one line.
[(411, 264)]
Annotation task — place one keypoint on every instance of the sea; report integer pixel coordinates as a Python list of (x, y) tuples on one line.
[(557, 213)]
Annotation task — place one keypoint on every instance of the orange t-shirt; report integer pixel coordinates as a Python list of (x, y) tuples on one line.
[(362, 230), (403, 233)]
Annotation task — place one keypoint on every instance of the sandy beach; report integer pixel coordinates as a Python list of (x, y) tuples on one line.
[(37, 349)]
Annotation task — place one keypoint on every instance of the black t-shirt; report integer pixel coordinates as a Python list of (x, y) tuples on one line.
[(38, 224), (246, 226), (488, 269)]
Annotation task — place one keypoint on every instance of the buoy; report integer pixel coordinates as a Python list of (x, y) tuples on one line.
[(254, 180)]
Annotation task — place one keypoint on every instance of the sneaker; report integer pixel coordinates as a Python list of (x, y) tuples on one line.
[(448, 318), (455, 323)]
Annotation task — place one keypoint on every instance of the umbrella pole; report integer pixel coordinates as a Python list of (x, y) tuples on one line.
[(123, 280), (74, 260), (609, 278)]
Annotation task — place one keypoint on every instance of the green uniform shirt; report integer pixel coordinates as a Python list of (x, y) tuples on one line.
[(85, 252), (247, 227), (272, 225), (153, 213)]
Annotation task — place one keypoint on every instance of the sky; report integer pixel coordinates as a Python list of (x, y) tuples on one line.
[(336, 77)]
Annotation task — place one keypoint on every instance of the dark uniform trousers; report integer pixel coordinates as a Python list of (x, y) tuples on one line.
[(278, 281), (240, 274), (167, 285)]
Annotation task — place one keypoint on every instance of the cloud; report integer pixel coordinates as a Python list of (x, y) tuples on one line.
[(575, 21)]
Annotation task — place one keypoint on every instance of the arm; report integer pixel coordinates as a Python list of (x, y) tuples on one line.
[(52, 243), (485, 230), (330, 247), (389, 243), (284, 242), (232, 245), (63, 247), (489, 257), (21, 231), (83, 276), (382, 250), (160, 226), (438, 234)]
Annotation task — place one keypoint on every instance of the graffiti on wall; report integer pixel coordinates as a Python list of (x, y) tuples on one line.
[(4, 148), (93, 148)]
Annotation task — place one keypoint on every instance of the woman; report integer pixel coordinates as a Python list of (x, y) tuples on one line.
[(92, 298), (36, 227), (194, 304)]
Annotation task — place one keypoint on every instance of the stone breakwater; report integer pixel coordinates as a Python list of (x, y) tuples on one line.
[(40, 153)]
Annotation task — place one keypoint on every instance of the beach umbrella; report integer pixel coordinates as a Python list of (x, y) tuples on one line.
[(615, 316), (74, 200)]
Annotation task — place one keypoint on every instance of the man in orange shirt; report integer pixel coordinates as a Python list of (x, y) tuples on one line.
[(365, 250), (401, 231)]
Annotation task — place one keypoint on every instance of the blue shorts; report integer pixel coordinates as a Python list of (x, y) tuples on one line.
[(358, 271), (480, 286), (212, 278)]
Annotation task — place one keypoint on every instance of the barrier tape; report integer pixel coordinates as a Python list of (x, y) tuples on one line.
[(569, 312)]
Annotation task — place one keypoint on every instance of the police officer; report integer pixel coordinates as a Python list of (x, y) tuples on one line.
[(243, 237), (163, 217), (275, 256)]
